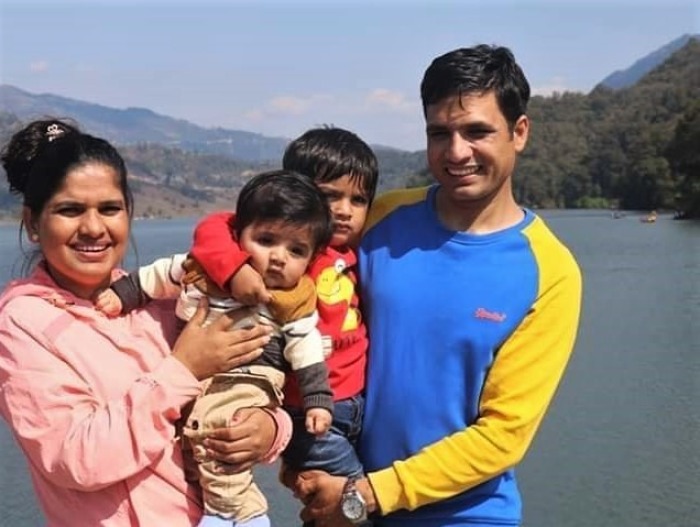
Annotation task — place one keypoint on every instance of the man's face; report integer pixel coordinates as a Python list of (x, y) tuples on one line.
[(471, 151)]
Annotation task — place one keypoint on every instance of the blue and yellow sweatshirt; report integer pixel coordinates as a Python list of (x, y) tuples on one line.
[(469, 338)]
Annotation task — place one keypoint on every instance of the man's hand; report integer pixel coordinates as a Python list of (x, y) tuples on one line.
[(247, 286), (320, 492)]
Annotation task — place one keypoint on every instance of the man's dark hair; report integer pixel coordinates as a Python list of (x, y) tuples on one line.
[(477, 70)]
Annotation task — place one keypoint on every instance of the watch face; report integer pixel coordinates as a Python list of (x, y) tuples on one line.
[(353, 508)]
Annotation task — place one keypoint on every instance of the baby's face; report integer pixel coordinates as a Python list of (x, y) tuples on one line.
[(280, 252)]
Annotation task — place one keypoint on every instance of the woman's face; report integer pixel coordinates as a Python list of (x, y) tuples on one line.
[(83, 230)]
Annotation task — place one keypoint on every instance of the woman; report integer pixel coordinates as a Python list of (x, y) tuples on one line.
[(93, 401)]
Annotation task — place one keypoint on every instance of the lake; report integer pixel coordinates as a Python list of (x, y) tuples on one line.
[(620, 446)]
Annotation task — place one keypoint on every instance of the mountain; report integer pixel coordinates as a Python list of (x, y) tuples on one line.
[(175, 168), (139, 125), (628, 77), (133, 126)]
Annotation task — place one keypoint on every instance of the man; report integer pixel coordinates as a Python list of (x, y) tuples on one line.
[(472, 306)]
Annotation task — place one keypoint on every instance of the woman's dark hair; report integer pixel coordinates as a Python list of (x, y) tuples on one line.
[(283, 195), (38, 158)]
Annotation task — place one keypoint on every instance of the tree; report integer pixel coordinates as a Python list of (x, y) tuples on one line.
[(683, 155)]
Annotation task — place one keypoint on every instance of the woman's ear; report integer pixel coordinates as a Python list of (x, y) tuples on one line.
[(30, 225)]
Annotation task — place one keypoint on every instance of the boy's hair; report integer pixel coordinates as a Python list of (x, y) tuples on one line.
[(477, 70), (329, 153), (283, 195)]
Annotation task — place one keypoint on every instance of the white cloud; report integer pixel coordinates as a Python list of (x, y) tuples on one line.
[(255, 116), (389, 99), (38, 66), (288, 105)]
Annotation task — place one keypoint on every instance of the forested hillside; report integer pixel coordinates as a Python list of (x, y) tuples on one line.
[(617, 148), (631, 75)]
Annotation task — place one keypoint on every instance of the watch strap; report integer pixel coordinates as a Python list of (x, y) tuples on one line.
[(351, 484), (351, 492)]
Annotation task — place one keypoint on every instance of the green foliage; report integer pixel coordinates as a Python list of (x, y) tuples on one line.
[(398, 168), (613, 146), (683, 153), (587, 202)]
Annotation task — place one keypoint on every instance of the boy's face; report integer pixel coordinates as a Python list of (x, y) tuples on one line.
[(279, 251), (348, 204)]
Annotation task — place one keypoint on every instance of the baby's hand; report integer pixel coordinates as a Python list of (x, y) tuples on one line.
[(108, 302), (318, 421), (247, 286)]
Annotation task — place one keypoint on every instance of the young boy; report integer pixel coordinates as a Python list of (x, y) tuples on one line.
[(282, 222), (345, 170)]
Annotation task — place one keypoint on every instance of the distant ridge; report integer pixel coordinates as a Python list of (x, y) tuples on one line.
[(629, 77), (139, 125)]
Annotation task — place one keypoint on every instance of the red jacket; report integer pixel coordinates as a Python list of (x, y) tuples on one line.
[(333, 271)]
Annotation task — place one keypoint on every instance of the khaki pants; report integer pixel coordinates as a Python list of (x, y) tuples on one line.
[(231, 495)]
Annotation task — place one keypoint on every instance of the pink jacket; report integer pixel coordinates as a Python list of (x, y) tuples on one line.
[(92, 402)]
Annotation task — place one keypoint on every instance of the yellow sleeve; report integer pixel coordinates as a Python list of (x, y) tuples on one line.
[(391, 200), (518, 389)]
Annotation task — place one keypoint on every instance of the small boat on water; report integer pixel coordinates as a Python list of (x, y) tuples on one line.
[(649, 218)]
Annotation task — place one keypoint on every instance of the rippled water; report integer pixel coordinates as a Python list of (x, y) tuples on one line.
[(620, 446)]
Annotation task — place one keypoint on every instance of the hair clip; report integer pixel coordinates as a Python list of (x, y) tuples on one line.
[(54, 131)]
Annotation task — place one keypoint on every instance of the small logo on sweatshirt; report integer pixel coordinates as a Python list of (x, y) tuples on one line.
[(493, 316)]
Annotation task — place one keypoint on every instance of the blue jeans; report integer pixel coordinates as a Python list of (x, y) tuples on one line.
[(333, 452), (216, 521)]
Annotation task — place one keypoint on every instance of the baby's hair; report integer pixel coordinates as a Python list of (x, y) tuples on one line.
[(283, 195)]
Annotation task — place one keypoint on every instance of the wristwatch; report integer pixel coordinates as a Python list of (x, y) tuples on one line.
[(352, 503)]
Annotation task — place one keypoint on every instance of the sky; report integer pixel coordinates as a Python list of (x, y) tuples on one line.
[(280, 67)]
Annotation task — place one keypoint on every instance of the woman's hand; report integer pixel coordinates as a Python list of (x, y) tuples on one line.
[(246, 442), (216, 348)]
